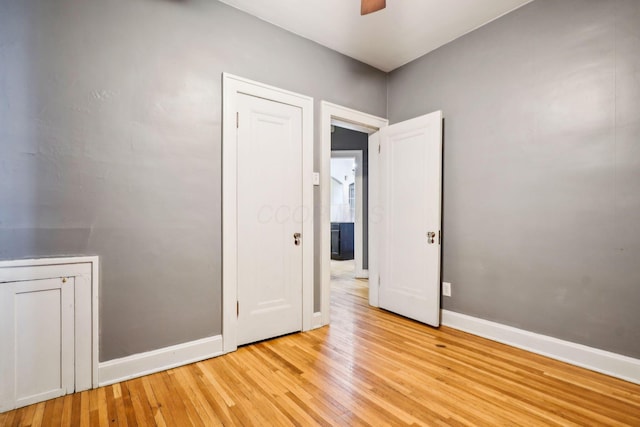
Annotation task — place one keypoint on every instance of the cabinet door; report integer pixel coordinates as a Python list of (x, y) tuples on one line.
[(335, 240), (37, 337), (346, 241)]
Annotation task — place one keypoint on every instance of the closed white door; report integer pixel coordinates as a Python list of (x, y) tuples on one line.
[(269, 219), (37, 341), (409, 217)]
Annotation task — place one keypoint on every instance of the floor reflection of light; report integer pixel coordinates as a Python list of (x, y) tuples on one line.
[(347, 351)]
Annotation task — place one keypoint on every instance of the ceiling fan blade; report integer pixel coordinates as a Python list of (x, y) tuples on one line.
[(370, 6)]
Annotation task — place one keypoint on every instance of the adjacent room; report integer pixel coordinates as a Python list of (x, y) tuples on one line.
[(326, 212), (349, 210)]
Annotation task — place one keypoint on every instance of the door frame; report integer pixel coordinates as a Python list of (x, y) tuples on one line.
[(351, 119), (231, 87), (358, 236)]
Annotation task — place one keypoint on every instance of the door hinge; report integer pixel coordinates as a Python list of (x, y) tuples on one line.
[(378, 281), (237, 120), (378, 148), (237, 308)]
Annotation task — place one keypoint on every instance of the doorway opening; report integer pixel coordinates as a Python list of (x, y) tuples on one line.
[(349, 210), (341, 119)]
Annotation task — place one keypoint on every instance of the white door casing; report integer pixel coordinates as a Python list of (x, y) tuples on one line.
[(234, 89), (408, 208), (374, 217), (270, 211)]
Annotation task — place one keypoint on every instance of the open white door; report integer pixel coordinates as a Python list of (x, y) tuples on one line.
[(406, 216)]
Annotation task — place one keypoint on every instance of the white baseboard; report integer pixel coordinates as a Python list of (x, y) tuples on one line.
[(317, 320), (362, 274), (615, 365), (138, 365)]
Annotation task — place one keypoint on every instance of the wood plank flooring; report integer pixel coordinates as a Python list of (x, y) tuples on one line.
[(369, 367)]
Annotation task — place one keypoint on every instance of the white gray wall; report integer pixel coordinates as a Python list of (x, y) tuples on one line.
[(110, 144), (541, 169)]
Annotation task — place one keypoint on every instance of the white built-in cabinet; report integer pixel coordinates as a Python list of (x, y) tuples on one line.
[(46, 329), (36, 327)]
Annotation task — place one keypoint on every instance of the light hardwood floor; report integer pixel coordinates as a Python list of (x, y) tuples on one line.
[(343, 279), (369, 367)]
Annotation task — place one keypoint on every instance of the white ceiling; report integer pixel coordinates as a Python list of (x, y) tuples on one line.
[(404, 31)]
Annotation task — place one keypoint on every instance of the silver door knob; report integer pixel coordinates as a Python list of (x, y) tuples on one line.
[(296, 238)]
